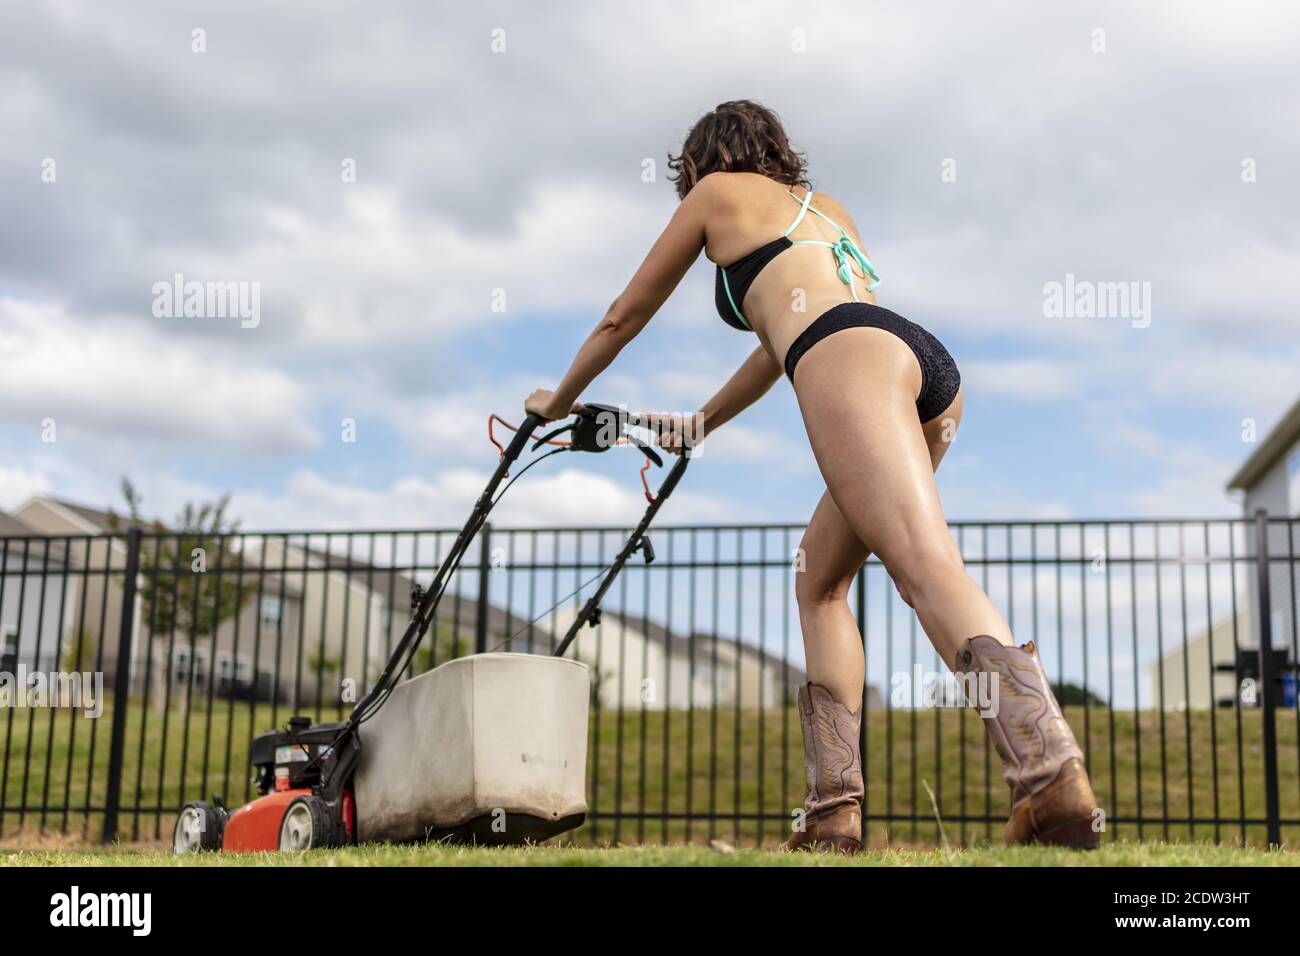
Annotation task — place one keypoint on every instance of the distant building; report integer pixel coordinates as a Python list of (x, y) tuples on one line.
[(1215, 664), (1270, 477), (637, 662), (308, 618), (1200, 674), (34, 584), (1270, 480)]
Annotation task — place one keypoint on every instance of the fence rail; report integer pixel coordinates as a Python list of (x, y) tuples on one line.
[(136, 667)]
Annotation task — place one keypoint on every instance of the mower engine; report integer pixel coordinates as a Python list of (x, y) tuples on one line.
[(281, 762), (298, 809)]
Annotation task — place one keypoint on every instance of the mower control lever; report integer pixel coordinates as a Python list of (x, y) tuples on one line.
[(598, 428), (648, 451)]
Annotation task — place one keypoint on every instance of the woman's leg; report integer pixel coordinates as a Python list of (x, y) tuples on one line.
[(829, 705), (858, 401), (832, 555), (830, 715)]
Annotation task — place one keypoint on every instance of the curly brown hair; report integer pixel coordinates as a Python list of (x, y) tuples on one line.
[(739, 136)]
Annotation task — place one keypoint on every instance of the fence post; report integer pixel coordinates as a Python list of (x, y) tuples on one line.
[(1268, 678), (484, 561), (121, 682)]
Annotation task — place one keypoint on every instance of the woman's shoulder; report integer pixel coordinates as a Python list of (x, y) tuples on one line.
[(756, 185), (827, 203), (829, 206), (733, 185)]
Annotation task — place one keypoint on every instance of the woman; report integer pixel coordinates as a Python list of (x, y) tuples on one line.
[(881, 400)]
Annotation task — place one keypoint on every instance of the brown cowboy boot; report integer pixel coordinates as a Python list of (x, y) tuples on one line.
[(833, 811), (1051, 799)]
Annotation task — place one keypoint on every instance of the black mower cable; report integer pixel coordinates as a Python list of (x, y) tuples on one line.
[(518, 475), (595, 577), (452, 567), (453, 562)]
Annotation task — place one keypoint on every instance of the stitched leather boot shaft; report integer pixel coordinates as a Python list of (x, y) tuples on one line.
[(833, 771), (1051, 798)]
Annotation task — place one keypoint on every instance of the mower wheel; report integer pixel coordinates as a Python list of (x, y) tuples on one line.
[(307, 825), (198, 828)]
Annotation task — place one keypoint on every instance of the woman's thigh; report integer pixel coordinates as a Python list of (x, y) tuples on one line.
[(831, 550), (858, 400)]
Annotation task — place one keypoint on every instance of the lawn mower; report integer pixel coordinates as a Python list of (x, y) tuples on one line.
[(307, 774)]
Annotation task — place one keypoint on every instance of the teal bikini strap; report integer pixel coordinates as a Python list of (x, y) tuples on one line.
[(734, 308), (807, 198), (846, 251)]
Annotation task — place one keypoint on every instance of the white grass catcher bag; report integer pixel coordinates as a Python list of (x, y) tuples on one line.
[(491, 747)]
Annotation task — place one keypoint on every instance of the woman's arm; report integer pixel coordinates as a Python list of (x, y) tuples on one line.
[(672, 254), (751, 382), (756, 375)]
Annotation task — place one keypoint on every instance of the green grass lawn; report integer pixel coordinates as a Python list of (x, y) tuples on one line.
[(1148, 854), (744, 769)]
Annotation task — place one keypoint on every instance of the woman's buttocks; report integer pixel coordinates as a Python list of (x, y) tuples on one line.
[(939, 378)]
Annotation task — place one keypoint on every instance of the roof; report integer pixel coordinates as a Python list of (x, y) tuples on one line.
[(51, 552), (9, 525), (108, 520), (1276, 443), (503, 626), (105, 521)]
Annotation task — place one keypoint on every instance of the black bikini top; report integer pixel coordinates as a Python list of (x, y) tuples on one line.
[(733, 281)]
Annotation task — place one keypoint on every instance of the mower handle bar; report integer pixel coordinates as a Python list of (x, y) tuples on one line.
[(422, 618), (633, 544)]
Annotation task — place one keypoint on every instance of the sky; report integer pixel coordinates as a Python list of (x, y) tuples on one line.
[(436, 202)]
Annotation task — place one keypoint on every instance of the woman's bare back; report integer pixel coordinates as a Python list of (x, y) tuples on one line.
[(748, 211)]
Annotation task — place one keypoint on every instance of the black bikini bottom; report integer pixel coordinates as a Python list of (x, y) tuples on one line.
[(939, 376)]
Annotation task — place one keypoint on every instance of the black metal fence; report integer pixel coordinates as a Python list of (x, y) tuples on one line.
[(1172, 644)]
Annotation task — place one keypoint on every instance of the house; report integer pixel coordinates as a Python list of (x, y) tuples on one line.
[(297, 623), (305, 625), (1217, 659), (34, 588), (637, 662), (282, 620), (1269, 479), (1201, 673), (160, 656), (455, 622)]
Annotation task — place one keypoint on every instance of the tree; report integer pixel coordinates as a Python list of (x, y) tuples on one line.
[(1072, 695), (179, 593)]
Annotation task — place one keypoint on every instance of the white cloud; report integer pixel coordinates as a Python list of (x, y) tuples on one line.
[(19, 484), (122, 378), (1038, 379), (568, 497)]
